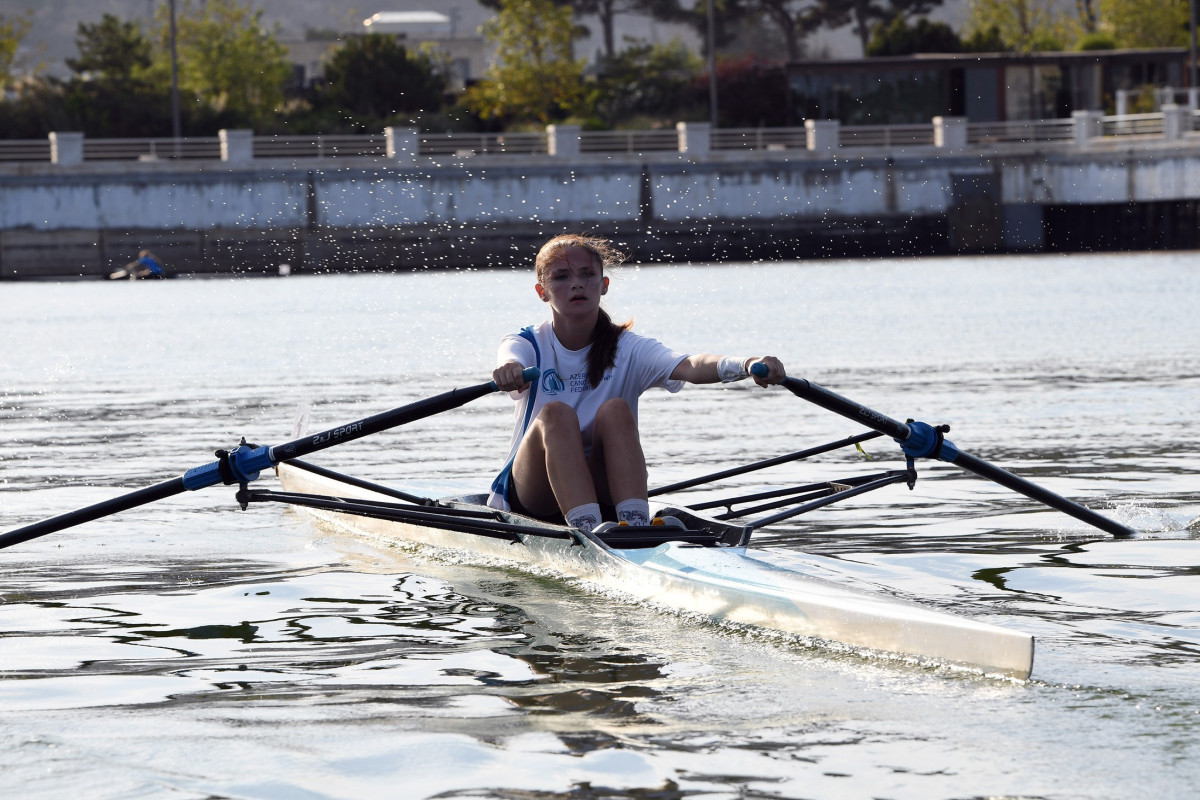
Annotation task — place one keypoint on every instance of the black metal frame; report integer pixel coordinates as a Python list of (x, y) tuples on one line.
[(697, 530)]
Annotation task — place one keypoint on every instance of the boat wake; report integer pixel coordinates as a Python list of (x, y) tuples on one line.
[(1156, 522)]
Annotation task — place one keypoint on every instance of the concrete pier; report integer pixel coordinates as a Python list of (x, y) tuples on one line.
[(245, 215)]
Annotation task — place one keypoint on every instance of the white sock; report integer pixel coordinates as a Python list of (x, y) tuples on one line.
[(634, 511), (584, 517)]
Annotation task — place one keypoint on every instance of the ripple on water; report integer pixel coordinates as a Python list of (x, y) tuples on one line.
[(175, 649)]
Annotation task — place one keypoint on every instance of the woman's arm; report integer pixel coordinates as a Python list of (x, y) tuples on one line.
[(709, 368)]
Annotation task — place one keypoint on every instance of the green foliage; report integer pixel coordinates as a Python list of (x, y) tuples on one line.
[(1099, 40), (13, 31), (535, 76), (866, 15), (898, 38), (644, 80), (1146, 23), (110, 49), (376, 77), (987, 40), (1144, 100), (1024, 25), (110, 109), (113, 93), (229, 63), (606, 12), (35, 111)]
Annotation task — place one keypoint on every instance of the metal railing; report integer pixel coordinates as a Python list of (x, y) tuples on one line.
[(759, 139), (467, 144), (1133, 125), (345, 146), (1021, 131), (25, 150), (208, 148), (628, 141), (202, 148), (885, 136)]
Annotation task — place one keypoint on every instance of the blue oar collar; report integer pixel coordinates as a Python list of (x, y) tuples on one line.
[(928, 441), (242, 465)]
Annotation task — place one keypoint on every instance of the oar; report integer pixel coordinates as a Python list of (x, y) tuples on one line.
[(921, 440), (246, 461)]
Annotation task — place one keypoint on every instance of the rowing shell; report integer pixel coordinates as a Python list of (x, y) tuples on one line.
[(725, 583)]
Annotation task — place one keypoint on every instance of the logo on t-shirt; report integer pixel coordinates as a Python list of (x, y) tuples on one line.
[(551, 383)]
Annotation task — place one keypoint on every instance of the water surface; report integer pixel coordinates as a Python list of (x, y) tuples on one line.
[(189, 649)]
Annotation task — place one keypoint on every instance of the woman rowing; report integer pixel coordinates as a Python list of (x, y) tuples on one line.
[(576, 442)]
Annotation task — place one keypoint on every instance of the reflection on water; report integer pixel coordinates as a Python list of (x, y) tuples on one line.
[(191, 649)]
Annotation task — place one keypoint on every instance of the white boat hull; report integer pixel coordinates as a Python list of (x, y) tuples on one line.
[(725, 583)]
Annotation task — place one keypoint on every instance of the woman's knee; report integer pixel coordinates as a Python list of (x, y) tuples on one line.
[(557, 426), (616, 413), (558, 416)]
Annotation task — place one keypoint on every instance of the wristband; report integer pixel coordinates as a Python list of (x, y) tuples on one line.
[(732, 368)]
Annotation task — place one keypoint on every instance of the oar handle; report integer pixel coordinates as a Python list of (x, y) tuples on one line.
[(921, 440), (529, 375)]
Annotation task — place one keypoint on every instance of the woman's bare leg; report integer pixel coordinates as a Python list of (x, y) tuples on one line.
[(617, 462), (550, 471)]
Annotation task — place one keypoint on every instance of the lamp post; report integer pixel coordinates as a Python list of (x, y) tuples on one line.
[(175, 126), (712, 65), (1192, 43)]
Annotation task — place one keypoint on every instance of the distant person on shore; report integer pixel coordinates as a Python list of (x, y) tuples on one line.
[(146, 266), (576, 446)]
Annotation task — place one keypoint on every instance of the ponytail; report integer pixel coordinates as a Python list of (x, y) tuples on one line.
[(603, 354)]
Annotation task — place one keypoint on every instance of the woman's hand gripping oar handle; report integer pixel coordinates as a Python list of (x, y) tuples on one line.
[(921, 440), (245, 462)]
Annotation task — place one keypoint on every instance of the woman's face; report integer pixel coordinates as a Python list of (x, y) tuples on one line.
[(572, 282)]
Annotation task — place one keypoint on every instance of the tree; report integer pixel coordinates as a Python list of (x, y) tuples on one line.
[(1024, 25), (866, 14), (375, 76), (113, 92), (645, 80), (13, 31), (227, 59), (728, 17), (901, 39), (1146, 23), (111, 49), (535, 75), (1089, 16), (606, 12), (752, 93), (797, 20)]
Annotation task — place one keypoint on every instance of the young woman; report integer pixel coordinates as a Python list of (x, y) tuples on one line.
[(576, 443)]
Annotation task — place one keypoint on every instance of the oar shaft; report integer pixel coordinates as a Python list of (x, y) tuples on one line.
[(244, 464), (832, 401), (1032, 490), (159, 491), (311, 443)]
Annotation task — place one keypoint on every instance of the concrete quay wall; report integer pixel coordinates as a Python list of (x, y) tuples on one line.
[(482, 211)]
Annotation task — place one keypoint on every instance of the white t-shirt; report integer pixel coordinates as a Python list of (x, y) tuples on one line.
[(641, 363)]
